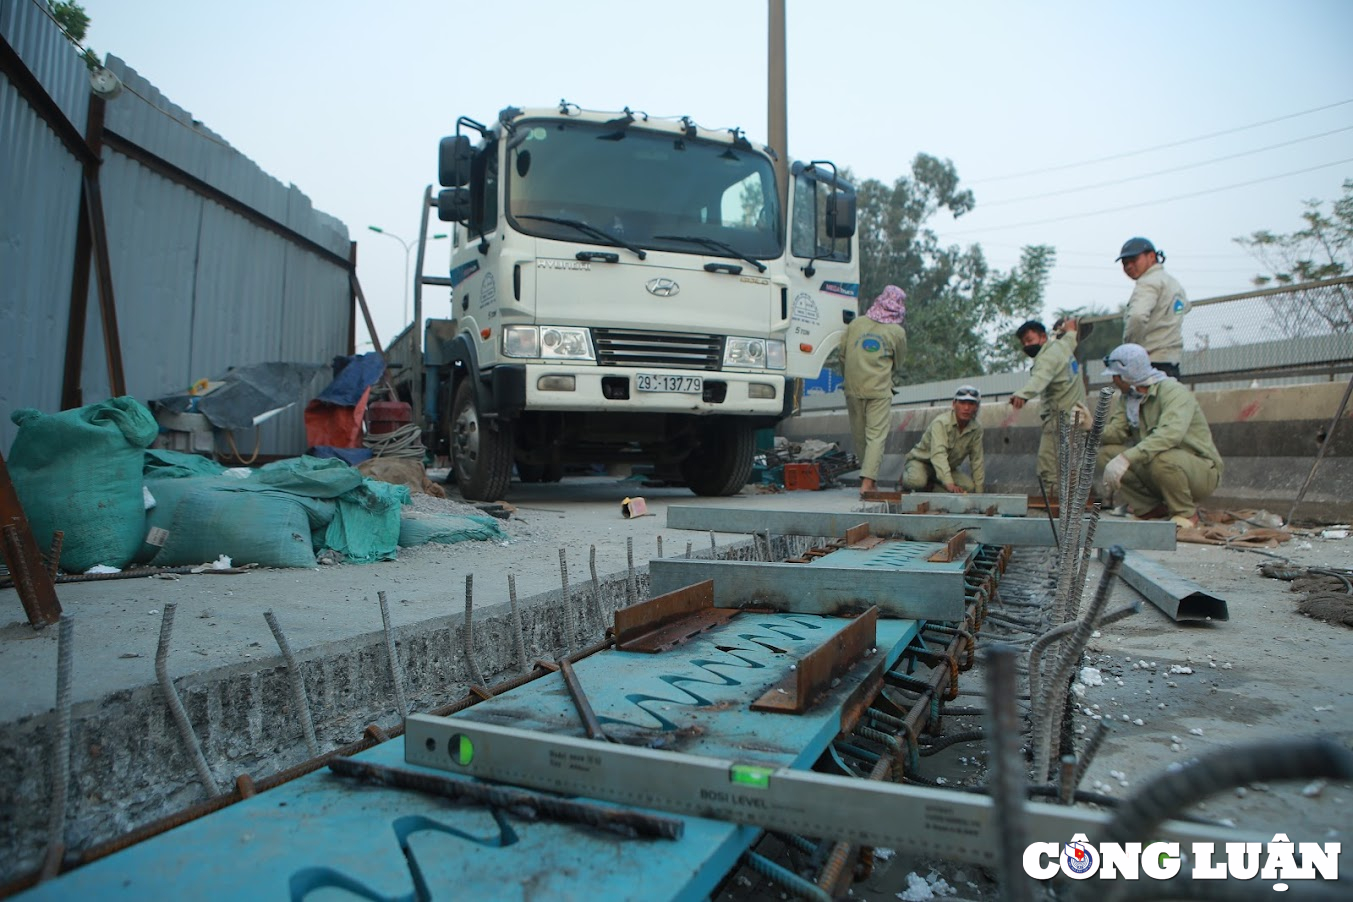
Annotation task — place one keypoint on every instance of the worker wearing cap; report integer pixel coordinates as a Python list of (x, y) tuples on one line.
[(871, 352), (1154, 316), (951, 438), (1174, 463), (1056, 380)]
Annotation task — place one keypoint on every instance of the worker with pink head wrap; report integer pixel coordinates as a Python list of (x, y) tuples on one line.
[(872, 351)]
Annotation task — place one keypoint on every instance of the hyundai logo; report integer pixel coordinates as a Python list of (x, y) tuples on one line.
[(663, 288)]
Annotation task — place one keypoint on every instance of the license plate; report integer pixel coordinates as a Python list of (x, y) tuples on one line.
[(657, 382)]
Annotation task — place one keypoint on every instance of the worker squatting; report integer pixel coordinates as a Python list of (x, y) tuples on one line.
[(1274, 860)]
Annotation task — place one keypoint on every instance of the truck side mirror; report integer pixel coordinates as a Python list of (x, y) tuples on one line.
[(453, 161), (453, 204), (841, 215)]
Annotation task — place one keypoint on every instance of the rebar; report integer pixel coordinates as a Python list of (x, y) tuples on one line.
[(1063, 470), (1060, 632), (297, 680), (1066, 780), (713, 547), (597, 616), (688, 551), (570, 615), (518, 639), (176, 706), (1057, 687), (475, 674), (785, 878), (1301, 758), (591, 725), (1083, 567), (659, 547), (1008, 778), (56, 820), (1088, 753), (1320, 453), (396, 676), (631, 586)]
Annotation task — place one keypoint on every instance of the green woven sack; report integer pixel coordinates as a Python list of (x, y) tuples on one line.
[(168, 492), (416, 528), (79, 471), (272, 529)]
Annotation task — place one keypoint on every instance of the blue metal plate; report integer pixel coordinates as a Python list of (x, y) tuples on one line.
[(325, 837)]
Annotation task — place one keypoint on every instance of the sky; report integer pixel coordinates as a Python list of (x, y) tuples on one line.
[(1075, 124)]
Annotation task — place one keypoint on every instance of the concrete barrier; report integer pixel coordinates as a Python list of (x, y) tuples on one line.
[(1268, 437)]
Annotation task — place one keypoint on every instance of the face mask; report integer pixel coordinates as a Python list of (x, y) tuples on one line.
[(1032, 350)]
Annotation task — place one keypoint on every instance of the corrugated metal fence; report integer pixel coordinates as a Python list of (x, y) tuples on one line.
[(213, 263)]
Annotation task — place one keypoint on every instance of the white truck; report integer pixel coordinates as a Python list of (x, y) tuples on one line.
[(625, 288)]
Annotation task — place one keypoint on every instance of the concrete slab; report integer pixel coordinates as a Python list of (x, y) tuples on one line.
[(219, 618)]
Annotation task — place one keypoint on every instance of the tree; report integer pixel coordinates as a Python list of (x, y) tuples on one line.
[(959, 311), (74, 21), (1321, 250)]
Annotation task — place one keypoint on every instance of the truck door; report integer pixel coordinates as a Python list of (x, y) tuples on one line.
[(824, 265)]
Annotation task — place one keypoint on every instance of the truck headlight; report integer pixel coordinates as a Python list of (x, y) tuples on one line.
[(565, 343), (548, 342), (759, 353), (521, 341)]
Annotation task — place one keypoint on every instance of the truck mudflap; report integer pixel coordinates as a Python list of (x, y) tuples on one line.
[(508, 392)]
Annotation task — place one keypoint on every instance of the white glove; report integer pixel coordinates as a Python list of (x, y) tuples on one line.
[(1080, 416), (1113, 472)]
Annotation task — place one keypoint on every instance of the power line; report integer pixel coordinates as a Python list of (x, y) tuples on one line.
[(1133, 153), (1099, 255), (1150, 203), (1173, 169)]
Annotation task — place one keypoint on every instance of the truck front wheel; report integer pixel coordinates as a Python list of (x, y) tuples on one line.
[(722, 462), (480, 454)]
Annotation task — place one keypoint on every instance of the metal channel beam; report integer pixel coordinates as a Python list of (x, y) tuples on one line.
[(1152, 535), (917, 819), (932, 593), (1181, 598)]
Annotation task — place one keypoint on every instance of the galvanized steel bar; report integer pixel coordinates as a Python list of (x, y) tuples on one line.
[(1147, 535), (819, 589)]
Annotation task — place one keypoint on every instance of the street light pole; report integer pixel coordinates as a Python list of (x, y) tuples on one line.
[(408, 249)]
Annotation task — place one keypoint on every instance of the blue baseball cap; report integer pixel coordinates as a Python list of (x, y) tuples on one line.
[(1134, 246)]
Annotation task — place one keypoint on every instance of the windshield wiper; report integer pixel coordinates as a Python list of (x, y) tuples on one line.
[(715, 245), (592, 230)]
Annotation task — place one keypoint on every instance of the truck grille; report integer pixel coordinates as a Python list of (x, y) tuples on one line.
[(635, 347)]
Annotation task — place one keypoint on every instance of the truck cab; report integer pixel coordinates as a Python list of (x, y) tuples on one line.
[(625, 288)]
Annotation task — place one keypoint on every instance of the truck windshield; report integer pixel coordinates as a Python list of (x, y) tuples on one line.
[(646, 189)]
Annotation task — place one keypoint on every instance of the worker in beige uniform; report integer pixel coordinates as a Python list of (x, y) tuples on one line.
[(1173, 464), (1056, 380), (1154, 316), (951, 438), (872, 351)]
